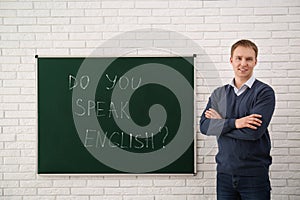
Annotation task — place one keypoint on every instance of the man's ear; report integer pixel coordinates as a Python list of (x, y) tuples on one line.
[(230, 60)]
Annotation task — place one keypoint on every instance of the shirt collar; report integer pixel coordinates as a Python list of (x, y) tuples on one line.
[(248, 83)]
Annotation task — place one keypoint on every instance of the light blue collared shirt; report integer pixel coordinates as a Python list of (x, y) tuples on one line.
[(244, 87)]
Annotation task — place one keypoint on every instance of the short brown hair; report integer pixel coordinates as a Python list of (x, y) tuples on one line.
[(244, 43)]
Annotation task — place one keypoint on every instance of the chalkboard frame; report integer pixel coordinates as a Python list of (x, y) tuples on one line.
[(195, 171)]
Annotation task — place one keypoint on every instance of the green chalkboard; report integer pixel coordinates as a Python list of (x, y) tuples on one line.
[(106, 115)]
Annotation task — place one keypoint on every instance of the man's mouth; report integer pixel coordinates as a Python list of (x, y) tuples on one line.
[(242, 70)]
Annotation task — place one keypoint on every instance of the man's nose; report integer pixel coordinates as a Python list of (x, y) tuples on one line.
[(244, 62)]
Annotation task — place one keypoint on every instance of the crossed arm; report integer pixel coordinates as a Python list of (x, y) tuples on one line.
[(250, 127), (251, 121)]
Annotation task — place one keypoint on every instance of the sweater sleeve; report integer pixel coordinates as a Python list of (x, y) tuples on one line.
[(264, 105), (215, 127)]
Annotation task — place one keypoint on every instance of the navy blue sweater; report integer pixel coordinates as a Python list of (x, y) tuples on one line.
[(241, 151)]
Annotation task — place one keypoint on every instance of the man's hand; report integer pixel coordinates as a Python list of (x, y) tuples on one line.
[(212, 114), (250, 121)]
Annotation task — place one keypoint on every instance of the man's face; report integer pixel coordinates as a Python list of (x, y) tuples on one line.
[(243, 62)]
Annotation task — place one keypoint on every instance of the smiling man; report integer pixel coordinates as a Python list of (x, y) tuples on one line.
[(239, 114)]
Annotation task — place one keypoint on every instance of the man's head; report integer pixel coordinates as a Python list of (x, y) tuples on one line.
[(243, 58)]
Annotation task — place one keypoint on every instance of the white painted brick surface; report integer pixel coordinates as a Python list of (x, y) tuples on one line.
[(66, 28)]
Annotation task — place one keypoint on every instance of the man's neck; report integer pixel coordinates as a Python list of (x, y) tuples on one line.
[(238, 81)]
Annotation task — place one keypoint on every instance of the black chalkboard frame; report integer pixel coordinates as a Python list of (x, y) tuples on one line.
[(195, 170)]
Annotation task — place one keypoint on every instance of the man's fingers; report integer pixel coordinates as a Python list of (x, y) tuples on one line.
[(251, 126), (252, 122), (212, 114), (255, 120), (256, 115)]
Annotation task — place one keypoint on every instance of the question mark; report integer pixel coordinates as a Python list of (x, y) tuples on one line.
[(165, 137)]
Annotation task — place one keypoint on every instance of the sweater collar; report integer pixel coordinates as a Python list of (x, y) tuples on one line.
[(248, 83)]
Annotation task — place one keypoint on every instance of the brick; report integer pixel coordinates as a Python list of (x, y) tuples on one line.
[(9, 184), (8, 13), (14, 5), (236, 11), (67, 12), (19, 129), (170, 197), (87, 20), (19, 191), (85, 36), (294, 183), (168, 183), (69, 183), (51, 36), (189, 20), (237, 27), (5, 91), (201, 182), (27, 122), (220, 19), (19, 98), (33, 13), (284, 3), (59, 44), (294, 26), (120, 191), (75, 5), (103, 183), (271, 26), (9, 44), (19, 160), (52, 20), (154, 20), (8, 122), (20, 145), (203, 12), (187, 190), (151, 4), (294, 167), (153, 190), (203, 27), (135, 183), (168, 12), (255, 19), (7, 137), (286, 18), (294, 10), (53, 191), (219, 4), (81, 197), (35, 44), (134, 12), (271, 11), (144, 197), (20, 21), (294, 120), (118, 4), (9, 168), (19, 176), (50, 5), (87, 191), (253, 3), (37, 28), (8, 29), (110, 197)]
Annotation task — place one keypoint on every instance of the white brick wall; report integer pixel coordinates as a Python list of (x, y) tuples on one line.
[(65, 28)]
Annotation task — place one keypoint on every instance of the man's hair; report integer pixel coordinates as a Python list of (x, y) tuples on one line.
[(244, 43)]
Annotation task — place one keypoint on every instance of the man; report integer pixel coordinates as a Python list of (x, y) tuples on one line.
[(239, 114)]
